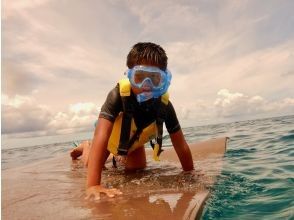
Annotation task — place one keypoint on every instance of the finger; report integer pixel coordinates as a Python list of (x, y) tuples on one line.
[(121, 159), (116, 191), (88, 196), (97, 197), (112, 192)]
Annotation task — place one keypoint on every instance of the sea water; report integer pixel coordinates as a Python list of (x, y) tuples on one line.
[(257, 180)]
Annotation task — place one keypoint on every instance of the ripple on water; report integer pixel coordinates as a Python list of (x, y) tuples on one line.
[(229, 194), (286, 138), (240, 152), (257, 181)]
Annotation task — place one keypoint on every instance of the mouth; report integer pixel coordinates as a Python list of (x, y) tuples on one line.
[(146, 89)]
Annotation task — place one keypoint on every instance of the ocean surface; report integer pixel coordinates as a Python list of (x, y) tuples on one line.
[(257, 180)]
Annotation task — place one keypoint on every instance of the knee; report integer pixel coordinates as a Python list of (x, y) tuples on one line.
[(136, 159)]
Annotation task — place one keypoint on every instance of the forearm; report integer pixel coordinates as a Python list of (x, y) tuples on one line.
[(186, 158), (182, 150), (95, 165), (98, 152)]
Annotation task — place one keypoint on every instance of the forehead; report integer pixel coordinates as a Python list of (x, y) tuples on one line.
[(147, 63)]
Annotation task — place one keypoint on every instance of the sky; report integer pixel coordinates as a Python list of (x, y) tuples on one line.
[(230, 60)]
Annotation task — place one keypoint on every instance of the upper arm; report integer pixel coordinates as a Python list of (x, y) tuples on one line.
[(103, 129)]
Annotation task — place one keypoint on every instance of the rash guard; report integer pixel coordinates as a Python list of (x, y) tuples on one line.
[(144, 113)]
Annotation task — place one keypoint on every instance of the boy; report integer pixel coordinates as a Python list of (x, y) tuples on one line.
[(132, 115)]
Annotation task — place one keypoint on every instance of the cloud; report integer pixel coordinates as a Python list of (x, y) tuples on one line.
[(14, 6), (17, 80), (230, 104), (23, 114), (54, 46), (233, 104), (79, 116), (201, 71), (76, 52), (176, 19)]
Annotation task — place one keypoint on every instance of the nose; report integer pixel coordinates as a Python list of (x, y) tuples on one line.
[(147, 84)]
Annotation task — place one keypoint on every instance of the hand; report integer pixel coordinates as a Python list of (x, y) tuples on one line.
[(196, 173), (121, 160), (94, 191)]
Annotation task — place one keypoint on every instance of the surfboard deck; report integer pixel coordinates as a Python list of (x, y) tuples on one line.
[(55, 188)]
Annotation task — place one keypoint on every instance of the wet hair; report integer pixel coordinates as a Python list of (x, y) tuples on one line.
[(148, 53)]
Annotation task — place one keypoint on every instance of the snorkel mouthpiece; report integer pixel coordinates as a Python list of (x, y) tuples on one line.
[(144, 96)]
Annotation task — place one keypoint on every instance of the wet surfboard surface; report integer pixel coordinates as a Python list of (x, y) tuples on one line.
[(55, 188)]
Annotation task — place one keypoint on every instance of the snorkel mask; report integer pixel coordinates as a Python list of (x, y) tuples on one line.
[(152, 80)]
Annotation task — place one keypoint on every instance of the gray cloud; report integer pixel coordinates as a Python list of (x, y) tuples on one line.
[(17, 80), (288, 74), (25, 119), (23, 114)]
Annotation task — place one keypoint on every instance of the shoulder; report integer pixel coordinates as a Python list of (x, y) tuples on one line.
[(113, 95), (170, 111), (169, 106)]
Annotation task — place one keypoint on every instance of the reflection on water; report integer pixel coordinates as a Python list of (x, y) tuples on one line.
[(165, 205)]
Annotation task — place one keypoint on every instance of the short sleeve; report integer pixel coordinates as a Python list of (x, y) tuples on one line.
[(112, 105), (171, 121)]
